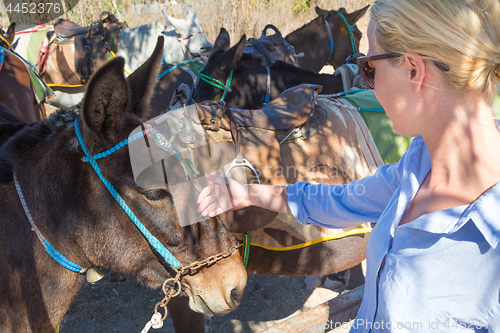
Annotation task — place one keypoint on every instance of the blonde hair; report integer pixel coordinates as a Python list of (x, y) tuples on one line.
[(463, 34)]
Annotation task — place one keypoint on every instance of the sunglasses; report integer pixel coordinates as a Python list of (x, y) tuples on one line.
[(368, 72)]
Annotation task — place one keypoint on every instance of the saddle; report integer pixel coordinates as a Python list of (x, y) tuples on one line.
[(271, 48), (66, 29), (91, 47), (258, 135)]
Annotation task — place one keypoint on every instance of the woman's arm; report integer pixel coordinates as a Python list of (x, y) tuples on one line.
[(325, 205), (226, 194)]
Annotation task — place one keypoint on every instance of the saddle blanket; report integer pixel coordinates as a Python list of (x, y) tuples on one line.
[(27, 42)]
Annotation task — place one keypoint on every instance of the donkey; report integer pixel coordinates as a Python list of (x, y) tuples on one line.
[(250, 82), (328, 39), (184, 40), (72, 209)]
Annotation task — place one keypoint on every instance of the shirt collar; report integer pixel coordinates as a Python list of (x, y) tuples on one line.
[(486, 215)]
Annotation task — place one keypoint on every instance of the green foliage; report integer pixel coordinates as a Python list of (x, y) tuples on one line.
[(496, 106), (301, 6)]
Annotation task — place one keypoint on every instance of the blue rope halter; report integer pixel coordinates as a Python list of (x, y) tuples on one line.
[(2, 57), (162, 75), (56, 255), (331, 38), (153, 241)]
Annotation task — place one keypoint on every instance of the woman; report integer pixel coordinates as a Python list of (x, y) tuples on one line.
[(433, 259)]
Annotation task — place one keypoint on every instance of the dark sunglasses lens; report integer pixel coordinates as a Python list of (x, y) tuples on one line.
[(367, 73)]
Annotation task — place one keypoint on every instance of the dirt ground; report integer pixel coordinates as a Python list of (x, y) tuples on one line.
[(118, 303)]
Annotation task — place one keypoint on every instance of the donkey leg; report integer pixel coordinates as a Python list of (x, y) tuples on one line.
[(185, 320)]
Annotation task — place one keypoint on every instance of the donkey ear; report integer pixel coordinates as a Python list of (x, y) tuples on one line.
[(106, 99), (356, 15), (176, 23), (222, 41), (10, 32), (321, 12), (143, 81), (231, 57), (190, 13)]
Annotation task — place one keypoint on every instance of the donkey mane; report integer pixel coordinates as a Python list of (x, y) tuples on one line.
[(305, 26), (28, 138)]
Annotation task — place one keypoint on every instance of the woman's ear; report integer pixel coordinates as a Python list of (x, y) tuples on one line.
[(417, 70)]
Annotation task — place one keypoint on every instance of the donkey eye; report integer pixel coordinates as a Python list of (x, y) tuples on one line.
[(156, 194)]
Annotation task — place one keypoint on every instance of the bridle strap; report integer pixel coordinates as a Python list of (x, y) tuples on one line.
[(268, 89), (218, 84), (184, 48), (349, 28), (331, 39), (153, 241)]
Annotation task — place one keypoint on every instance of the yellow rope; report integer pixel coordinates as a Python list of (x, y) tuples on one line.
[(6, 41), (319, 240), (65, 85), (114, 56)]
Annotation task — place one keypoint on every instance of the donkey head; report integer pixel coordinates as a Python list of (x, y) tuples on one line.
[(190, 33), (340, 32), (114, 106), (222, 62), (9, 35)]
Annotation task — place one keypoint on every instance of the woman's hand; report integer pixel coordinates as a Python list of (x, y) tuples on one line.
[(223, 195)]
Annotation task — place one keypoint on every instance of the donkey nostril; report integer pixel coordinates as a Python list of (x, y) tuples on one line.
[(236, 296)]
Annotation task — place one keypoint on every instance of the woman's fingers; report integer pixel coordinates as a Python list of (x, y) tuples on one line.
[(205, 193), (206, 202), (215, 198), (215, 204), (211, 209)]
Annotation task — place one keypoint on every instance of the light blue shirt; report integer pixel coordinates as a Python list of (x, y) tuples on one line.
[(441, 270)]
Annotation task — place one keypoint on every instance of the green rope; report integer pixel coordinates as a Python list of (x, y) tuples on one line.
[(349, 27), (218, 84), (246, 248), (212, 81)]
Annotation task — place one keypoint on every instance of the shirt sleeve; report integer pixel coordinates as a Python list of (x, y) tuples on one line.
[(347, 205)]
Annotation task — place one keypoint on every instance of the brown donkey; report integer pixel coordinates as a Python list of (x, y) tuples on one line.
[(75, 212), (326, 39)]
